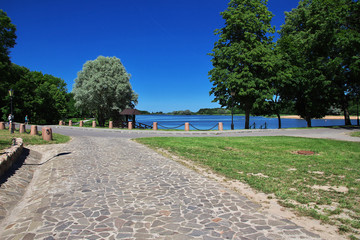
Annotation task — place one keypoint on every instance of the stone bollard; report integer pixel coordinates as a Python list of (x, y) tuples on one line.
[(111, 124), (187, 126), (221, 126), (12, 127), (2, 125), (155, 127), (81, 123), (93, 124), (130, 125), (34, 130), (70, 123), (22, 128), (47, 133), (61, 123)]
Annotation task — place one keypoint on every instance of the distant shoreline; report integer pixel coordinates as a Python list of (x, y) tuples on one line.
[(326, 117)]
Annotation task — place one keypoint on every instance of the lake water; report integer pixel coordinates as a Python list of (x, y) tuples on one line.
[(207, 122)]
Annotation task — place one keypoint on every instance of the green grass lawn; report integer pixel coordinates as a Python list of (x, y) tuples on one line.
[(355, 134), (325, 185), (6, 138)]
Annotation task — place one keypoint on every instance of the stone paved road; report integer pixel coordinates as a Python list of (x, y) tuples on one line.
[(114, 188)]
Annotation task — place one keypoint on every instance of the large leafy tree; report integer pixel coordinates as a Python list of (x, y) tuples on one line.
[(242, 56), (41, 97), (302, 44), (7, 36), (103, 88), (321, 40), (7, 41), (343, 67)]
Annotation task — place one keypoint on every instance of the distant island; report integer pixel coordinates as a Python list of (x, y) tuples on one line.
[(202, 111)]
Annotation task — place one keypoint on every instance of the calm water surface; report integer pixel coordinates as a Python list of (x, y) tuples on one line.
[(207, 122)]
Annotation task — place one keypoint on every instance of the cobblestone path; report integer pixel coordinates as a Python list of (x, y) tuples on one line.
[(113, 188)]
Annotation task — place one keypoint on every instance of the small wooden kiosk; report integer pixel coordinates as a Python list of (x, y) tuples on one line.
[(128, 112)]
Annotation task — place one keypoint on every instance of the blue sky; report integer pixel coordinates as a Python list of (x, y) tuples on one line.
[(163, 44)]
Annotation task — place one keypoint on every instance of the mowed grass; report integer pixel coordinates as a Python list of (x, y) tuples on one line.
[(325, 185), (6, 138)]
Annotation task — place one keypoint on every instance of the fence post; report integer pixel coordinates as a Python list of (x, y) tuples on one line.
[(155, 126), (93, 124), (81, 123), (2, 125), (34, 130), (221, 126), (130, 125), (22, 128), (46, 133), (187, 126), (111, 125)]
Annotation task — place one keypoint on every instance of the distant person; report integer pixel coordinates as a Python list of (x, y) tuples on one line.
[(26, 119), (10, 118)]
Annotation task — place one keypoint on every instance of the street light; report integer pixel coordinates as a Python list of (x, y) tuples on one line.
[(232, 110), (357, 108), (11, 94)]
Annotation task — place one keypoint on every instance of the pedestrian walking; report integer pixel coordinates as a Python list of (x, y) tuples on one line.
[(26, 119), (10, 118)]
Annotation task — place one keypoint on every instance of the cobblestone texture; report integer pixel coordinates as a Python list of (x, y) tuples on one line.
[(113, 188)]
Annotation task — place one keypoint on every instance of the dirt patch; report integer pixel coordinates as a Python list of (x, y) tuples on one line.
[(258, 175), (232, 149), (303, 152), (340, 189), (316, 172)]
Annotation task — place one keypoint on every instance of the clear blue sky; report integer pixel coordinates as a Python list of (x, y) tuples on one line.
[(163, 44)]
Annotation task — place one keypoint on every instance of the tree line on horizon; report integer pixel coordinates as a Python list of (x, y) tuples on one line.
[(314, 66)]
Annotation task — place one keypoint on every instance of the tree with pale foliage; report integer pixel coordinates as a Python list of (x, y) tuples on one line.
[(103, 88)]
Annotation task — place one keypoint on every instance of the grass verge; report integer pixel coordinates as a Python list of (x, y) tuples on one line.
[(6, 138), (325, 185), (355, 134)]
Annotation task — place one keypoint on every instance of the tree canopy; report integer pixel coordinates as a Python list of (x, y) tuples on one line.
[(7, 36), (103, 88), (314, 66), (242, 56), (316, 40)]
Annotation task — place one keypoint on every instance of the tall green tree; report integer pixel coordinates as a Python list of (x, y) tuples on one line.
[(343, 67), (41, 97), (321, 40), (7, 41), (103, 88), (7, 36), (302, 45), (242, 56)]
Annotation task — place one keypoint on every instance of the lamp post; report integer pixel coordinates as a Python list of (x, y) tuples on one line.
[(11, 94), (232, 110), (357, 110)]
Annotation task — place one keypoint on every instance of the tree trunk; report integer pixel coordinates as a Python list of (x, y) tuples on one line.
[(247, 119), (101, 119), (345, 104), (279, 119), (308, 121), (347, 116)]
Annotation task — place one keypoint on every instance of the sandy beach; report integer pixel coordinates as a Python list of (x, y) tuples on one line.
[(326, 117)]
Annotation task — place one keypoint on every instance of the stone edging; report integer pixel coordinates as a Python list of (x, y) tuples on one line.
[(10, 155)]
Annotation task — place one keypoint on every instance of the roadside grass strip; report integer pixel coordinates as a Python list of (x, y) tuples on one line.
[(319, 178), (6, 138)]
